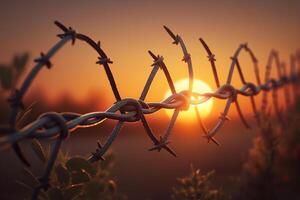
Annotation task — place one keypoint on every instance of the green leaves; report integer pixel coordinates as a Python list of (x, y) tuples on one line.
[(74, 178), (38, 149), (93, 190), (80, 176), (6, 77), (69, 193), (112, 186), (62, 174), (24, 115), (72, 191), (9, 74), (196, 186), (29, 177), (55, 193), (78, 164), (19, 62)]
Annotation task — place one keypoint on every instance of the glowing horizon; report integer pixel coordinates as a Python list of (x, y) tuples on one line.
[(128, 29), (205, 108)]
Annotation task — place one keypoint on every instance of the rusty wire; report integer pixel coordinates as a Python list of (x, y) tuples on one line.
[(124, 110)]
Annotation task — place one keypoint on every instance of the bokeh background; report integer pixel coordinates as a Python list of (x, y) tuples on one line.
[(127, 29)]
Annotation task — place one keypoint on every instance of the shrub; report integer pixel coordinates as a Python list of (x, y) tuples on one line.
[(272, 169), (74, 178), (196, 186)]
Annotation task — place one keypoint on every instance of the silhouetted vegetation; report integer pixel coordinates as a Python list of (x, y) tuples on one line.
[(197, 186), (10, 73), (73, 178), (9, 76), (271, 171)]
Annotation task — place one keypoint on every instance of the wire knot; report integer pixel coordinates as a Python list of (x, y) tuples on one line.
[(44, 60), (272, 84), (284, 80), (158, 61), (186, 57), (98, 155), (175, 38), (132, 105), (252, 90), (224, 117), (70, 32), (228, 90), (234, 59), (211, 57), (245, 46), (184, 97), (103, 61), (58, 120), (162, 143), (67, 32)]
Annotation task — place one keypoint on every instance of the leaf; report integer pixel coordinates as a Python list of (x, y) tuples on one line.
[(19, 63), (24, 185), (55, 194), (112, 187), (29, 177), (63, 157), (78, 164), (43, 195), (6, 77), (38, 149), (48, 152), (62, 174), (80, 177), (108, 162), (22, 118), (93, 189), (72, 191)]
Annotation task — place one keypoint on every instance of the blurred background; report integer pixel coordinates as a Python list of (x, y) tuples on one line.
[(127, 30)]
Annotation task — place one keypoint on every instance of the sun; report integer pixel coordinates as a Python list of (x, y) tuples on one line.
[(199, 87)]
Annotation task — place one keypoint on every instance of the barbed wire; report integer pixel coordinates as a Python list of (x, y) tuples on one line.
[(59, 125)]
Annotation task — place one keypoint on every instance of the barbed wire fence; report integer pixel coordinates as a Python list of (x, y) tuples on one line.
[(59, 125)]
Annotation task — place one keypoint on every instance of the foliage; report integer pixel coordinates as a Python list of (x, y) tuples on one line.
[(74, 178), (10, 73), (9, 76), (272, 170), (259, 171), (196, 186), (288, 164)]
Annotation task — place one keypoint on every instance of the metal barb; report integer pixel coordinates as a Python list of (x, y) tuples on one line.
[(59, 125)]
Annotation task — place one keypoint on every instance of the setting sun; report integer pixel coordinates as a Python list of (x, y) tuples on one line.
[(199, 87)]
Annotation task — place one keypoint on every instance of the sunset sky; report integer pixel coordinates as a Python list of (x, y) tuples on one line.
[(127, 29)]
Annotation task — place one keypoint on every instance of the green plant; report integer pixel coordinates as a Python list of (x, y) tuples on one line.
[(258, 178), (73, 178), (197, 186), (9, 76), (10, 73), (272, 169), (288, 164)]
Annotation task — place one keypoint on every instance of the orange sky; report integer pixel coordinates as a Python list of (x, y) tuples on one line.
[(127, 29)]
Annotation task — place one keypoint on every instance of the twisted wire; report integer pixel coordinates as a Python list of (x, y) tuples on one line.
[(124, 110)]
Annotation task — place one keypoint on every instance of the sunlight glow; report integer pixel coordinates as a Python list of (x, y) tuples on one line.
[(199, 87)]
